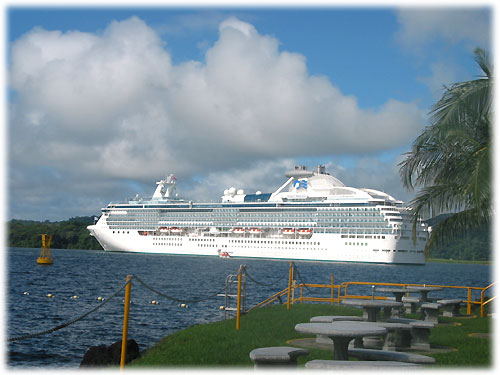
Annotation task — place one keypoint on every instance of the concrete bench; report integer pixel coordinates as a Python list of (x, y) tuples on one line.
[(411, 304), (420, 332), (430, 312), (399, 331), (417, 338), (322, 339), (276, 356), (382, 355), (321, 364), (451, 307)]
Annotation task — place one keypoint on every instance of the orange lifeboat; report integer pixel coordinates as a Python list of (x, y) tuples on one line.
[(304, 231)]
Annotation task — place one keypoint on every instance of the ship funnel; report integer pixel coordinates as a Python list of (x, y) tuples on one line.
[(300, 171)]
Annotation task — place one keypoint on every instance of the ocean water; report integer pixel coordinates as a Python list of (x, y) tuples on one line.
[(91, 274)]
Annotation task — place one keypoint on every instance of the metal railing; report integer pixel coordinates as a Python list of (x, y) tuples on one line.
[(483, 302), (339, 292)]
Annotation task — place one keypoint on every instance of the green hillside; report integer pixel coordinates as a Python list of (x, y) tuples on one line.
[(474, 245), (68, 234)]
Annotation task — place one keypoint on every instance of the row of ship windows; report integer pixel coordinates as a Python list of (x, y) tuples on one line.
[(117, 225), (167, 243), (278, 242), (399, 251), (249, 217), (290, 242), (252, 223), (361, 236), (260, 210), (360, 233), (241, 216)]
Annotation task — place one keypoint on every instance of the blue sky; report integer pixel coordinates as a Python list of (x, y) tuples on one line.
[(106, 101)]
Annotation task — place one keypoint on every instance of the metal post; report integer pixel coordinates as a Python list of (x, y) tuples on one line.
[(482, 303), (332, 291), (290, 276), (125, 321), (469, 296), (238, 301)]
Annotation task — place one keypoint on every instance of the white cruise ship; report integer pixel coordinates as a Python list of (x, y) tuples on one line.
[(312, 216)]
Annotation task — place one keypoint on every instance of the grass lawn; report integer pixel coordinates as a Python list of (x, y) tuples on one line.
[(219, 344)]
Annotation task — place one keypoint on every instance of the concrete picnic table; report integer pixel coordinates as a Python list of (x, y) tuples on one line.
[(424, 290), (342, 333), (372, 306), (397, 292)]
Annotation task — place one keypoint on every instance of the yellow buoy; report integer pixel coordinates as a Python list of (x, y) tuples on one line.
[(45, 257)]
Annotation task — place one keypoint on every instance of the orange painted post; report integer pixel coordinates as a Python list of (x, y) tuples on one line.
[(238, 301), (482, 303), (125, 321), (469, 296), (290, 276), (332, 291)]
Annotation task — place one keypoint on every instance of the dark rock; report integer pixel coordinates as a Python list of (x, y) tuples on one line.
[(102, 355)]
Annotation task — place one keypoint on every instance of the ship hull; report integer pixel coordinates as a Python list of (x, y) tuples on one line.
[(319, 247)]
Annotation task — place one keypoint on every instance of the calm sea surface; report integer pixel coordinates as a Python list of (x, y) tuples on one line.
[(92, 274)]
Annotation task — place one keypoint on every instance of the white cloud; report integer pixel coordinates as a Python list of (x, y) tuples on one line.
[(442, 74), (420, 26), (113, 106)]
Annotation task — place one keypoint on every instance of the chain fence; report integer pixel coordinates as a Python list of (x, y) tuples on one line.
[(119, 290), (105, 301), (70, 322)]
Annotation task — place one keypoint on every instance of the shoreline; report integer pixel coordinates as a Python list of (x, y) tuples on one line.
[(459, 261)]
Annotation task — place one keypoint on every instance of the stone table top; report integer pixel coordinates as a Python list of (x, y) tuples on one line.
[(371, 303), (342, 329), (423, 288), (392, 290)]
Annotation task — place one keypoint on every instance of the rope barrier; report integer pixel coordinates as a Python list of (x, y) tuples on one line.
[(265, 284), (144, 284), (65, 324), (302, 280), (177, 299)]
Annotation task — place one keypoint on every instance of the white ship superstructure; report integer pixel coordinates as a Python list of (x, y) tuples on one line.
[(312, 216)]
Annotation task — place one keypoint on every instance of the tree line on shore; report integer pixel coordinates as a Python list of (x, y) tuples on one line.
[(67, 234), (73, 234)]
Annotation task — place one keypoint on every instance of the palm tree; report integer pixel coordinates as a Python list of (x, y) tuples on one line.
[(450, 160)]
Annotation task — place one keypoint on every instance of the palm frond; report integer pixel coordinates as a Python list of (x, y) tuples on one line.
[(450, 159)]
